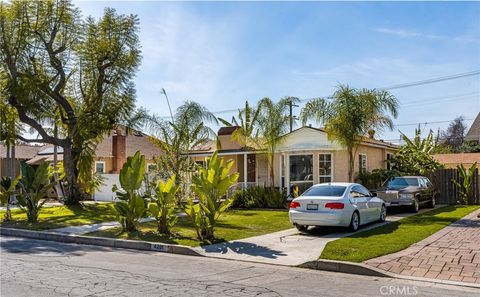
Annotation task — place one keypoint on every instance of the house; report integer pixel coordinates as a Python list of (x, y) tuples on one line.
[(474, 131), (110, 155), (452, 160), (305, 157), (23, 152)]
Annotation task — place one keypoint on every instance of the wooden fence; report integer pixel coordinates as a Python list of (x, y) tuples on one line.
[(449, 194)]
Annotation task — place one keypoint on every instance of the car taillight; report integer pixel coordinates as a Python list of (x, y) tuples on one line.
[(294, 204), (334, 205)]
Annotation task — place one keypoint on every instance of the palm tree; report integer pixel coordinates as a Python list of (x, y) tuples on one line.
[(247, 133), (178, 137), (273, 124), (349, 115)]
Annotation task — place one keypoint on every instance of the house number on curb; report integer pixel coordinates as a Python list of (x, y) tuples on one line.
[(159, 248)]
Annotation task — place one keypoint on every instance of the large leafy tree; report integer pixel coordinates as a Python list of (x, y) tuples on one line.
[(176, 138), (53, 60), (415, 157), (453, 137), (273, 124), (349, 115)]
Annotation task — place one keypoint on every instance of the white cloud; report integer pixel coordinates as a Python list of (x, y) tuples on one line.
[(410, 33)]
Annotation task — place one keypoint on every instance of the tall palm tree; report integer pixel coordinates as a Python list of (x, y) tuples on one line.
[(349, 115), (273, 124), (178, 137), (247, 133)]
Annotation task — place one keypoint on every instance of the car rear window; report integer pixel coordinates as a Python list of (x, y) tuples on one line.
[(328, 191), (402, 182)]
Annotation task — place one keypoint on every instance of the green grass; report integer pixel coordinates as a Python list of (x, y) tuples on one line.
[(235, 224), (62, 216), (393, 237)]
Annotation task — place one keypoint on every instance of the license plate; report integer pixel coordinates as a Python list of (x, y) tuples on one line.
[(312, 206)]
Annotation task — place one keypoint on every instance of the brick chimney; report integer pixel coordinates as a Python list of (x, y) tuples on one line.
[(119, 151)]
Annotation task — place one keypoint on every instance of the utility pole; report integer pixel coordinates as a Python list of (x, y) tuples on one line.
[(292, 117)]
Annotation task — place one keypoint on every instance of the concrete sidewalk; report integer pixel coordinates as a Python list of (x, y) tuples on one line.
[(288, 247)]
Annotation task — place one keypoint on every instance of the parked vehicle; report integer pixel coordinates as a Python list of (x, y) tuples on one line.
[(412, 191), (336, 204)]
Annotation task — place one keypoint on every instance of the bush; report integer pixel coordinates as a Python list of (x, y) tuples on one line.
[(210, 184), (163, 205), (259, 197), (375, 179), (34, 187), (132, 205)]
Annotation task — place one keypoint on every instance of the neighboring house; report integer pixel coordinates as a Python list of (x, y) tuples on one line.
[(23, 152), (452, 160), (110, 155), (304, 157), (474, 131)]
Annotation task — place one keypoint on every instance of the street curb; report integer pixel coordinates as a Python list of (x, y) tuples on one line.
[(364, 269), (100, 241), (344, 267)]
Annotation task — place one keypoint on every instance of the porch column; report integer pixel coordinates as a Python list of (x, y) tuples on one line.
[(245, 171), (287, 173)]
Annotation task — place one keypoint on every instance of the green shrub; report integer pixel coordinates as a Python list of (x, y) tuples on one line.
[(34, 187), (259, 197), (132, 205), (163, 205), (375, 179), (465, 185), (210, 184)]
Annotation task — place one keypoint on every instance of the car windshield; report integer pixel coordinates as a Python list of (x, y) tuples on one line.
[(402, 182), (328, 191)]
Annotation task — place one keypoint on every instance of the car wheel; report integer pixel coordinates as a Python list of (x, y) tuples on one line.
[(383, 214), (301, 228), (415, 206), (355, 222), (432, 202)]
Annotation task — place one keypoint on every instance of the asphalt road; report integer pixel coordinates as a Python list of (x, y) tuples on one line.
[(43, 268)]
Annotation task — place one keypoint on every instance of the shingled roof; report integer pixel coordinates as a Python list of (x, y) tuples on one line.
[(22, 151)]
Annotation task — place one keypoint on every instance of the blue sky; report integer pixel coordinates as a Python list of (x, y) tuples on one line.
[(223, 53)]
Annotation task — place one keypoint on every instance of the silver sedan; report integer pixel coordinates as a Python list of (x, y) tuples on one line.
[(336, 204)]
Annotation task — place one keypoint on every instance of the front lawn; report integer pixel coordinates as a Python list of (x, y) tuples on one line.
[(393, 237), (234, 224), (62, 216)]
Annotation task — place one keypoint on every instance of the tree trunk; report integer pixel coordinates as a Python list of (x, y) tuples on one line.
[(272, 172), (351, 164), (70, 160)]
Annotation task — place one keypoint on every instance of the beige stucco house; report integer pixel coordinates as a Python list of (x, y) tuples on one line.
[(305, 157)]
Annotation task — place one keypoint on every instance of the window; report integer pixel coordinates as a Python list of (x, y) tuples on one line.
[(402, 182), (99, 167), (151, 167), (359, 191), (326, 191), (325, 168), (282, 172), (389, 161), (362, 163), (301, 169)]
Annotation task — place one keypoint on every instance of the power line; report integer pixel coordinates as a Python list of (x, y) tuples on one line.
[(427, 123), (393, 87)]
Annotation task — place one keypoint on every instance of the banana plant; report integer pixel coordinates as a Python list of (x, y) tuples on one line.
[(466, 181), (34, 187), (210, 184), (7, 189), (132, 205), (163, 205)]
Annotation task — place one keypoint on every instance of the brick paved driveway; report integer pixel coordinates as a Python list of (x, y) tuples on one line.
[(451, 254)]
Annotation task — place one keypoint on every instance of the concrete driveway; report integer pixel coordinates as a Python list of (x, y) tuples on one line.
[(288, 247)]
